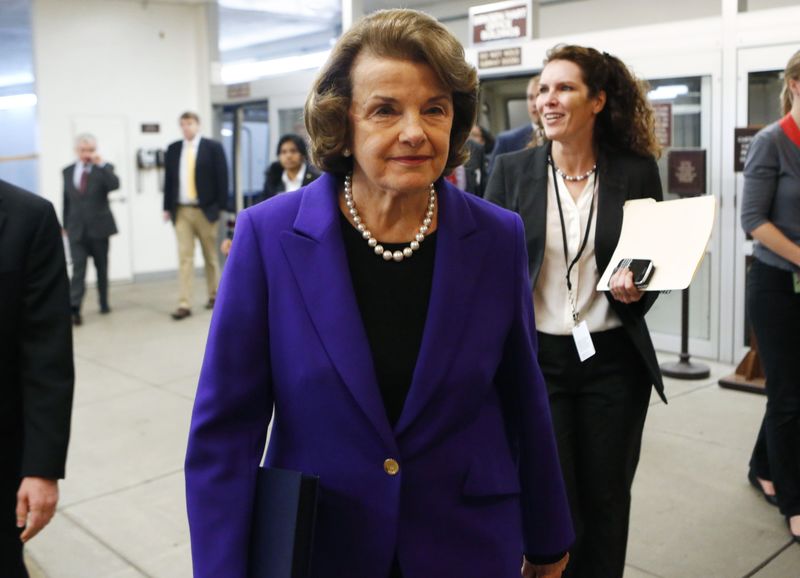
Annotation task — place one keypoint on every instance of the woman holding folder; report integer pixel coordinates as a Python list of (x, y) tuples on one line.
[(771, 214), (594, 348), (382, 319)]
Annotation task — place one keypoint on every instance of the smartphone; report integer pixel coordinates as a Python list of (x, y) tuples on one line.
[(642, 270)]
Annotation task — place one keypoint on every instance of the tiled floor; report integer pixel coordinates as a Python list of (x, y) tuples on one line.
[(122, 505)]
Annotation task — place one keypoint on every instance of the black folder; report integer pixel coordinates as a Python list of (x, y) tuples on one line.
[(283, 524)]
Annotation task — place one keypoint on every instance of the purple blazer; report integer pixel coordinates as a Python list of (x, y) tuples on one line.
[(479, 481)]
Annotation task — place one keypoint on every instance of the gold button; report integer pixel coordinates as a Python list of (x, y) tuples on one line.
[(391, 467)]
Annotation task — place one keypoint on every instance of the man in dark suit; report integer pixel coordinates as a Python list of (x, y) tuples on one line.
[(530, 133), (195, 191), (88, 220), (36, 370)]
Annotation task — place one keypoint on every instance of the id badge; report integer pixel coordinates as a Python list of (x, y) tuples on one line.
[(796, 279), (583, 341)]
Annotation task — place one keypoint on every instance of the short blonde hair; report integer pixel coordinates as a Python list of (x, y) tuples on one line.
[(792, 72), (405, 34)]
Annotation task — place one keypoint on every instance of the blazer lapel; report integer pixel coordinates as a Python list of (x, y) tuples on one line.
[(70, 179), (533, 207), (202, 151), (460, 251), (611, 198), (317, 258)]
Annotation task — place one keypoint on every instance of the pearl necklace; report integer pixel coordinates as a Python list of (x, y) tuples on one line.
[(576, 179), (372, 241)]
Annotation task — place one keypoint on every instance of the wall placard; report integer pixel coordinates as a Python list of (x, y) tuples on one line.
[(500, 21), (663, 123), (743, 137), (687, 172), (499, 58)]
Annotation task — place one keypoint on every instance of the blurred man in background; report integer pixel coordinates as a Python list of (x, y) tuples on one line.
[(88, 220), (195, 191)]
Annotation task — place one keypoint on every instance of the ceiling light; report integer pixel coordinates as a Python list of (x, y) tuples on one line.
[(245, 71), (668, 92), (17, 101), (16, 79)]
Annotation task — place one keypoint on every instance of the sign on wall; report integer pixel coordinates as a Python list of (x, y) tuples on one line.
[(687, 172), (241, 90), (663, 123), (498, 58), (743, 136), (500, 21)]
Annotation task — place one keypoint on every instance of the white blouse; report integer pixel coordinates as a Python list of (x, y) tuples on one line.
[(295, 183), (550, 296)]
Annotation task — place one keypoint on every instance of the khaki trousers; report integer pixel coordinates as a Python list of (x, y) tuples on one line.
[(190, 222)]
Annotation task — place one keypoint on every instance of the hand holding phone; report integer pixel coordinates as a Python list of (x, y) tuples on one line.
[(642, 270)]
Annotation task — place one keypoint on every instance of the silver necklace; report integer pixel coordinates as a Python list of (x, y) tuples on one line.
[(577, 178), (372, 241)]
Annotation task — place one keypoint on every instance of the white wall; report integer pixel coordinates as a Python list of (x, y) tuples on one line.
[(115, 64)]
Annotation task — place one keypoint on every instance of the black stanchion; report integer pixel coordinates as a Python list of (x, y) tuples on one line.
[(684, 368)]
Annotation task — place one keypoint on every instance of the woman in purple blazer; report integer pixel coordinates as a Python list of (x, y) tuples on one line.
[(382, 319)]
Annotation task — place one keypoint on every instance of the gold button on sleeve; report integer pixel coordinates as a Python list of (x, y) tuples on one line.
[(391, 467)]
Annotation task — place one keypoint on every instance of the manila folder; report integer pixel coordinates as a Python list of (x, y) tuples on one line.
[(672, 234)]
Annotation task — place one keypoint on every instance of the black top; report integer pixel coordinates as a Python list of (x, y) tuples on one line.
[(393, 300)]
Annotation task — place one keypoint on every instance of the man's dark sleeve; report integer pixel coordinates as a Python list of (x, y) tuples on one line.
[(221, 171), (65, 206), (46, 364), (110, 179), (169, 179)]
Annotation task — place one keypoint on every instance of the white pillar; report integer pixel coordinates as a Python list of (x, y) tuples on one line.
[(352, 10), (728, 224)]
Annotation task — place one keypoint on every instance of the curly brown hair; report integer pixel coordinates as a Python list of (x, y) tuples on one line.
[(627, 121), (405, 34)]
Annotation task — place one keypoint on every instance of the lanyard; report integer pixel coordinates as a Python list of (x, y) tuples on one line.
[(572, 299)]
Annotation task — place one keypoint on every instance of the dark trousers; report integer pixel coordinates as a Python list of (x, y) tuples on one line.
[(11, 565), (395, 571), (599, 408), (774, 310), (81, 250)]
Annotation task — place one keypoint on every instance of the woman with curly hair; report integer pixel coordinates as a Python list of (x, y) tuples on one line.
[(570, 193)]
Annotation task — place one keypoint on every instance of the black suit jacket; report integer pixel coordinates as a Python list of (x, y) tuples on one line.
[(475, 169), (519, 182), (211, 178), (88, 213), (36, 370)]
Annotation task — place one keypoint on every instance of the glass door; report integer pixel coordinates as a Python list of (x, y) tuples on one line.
[(683, 123), (244, 133)]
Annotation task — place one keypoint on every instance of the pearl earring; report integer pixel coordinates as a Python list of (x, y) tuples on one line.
[(346, 152)]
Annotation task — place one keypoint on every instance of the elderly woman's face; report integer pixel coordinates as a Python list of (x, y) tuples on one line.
[(566, 110), (400, 119)]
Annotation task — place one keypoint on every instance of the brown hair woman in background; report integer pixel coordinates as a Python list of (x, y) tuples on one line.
[(570, 194)]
